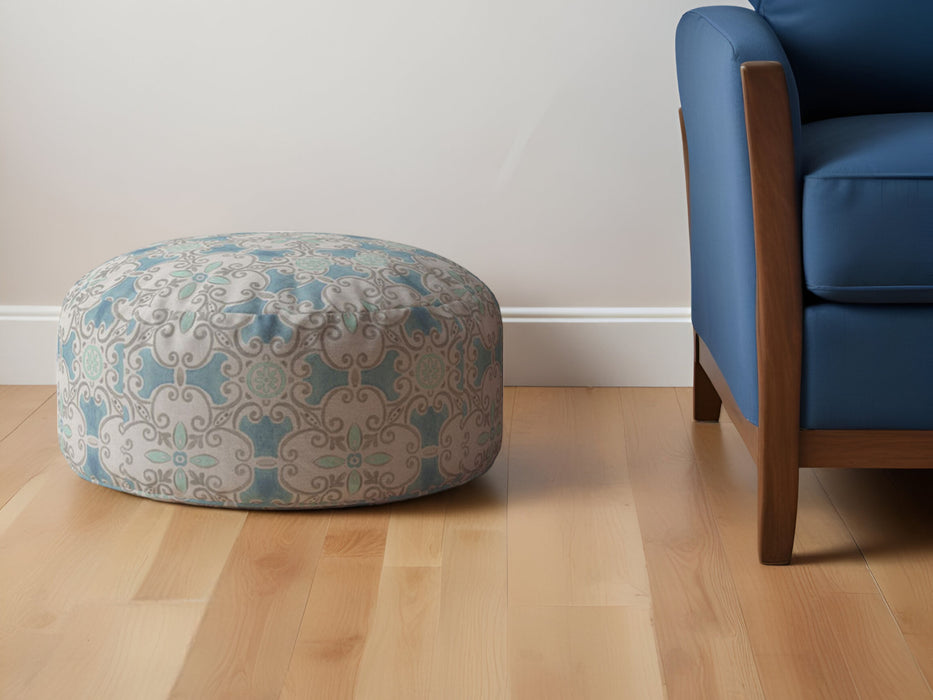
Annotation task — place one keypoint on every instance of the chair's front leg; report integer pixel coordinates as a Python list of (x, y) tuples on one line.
[(779, 304), (778, 476)]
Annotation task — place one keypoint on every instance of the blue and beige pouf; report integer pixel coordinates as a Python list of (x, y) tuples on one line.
[(280, 371)]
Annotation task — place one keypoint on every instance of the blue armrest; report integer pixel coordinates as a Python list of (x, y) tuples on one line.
[(712, 44)]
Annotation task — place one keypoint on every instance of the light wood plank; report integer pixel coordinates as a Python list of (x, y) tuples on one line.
[(18, 402), (470, 658), (416, 528), (416, 531), (614, 552), (245, 640), (29, 450), (357, 532), (880, 670), (583, 652), (398, 653), (888, 513), (192, 553), (77, 544), (24, 653), (21, 499), (334, 629), (791, 613), (705, 651), (117, 651), (574, 537)]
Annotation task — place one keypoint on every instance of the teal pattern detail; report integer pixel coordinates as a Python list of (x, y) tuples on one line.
[(152, 374), (94, 411), (93, 468), (266, 490), (420, 320), (484, 358), (210, 378), (429, 479), (265, 435), (429, 424), (323, 379), (383, 376), (66, 353), (266, 327)]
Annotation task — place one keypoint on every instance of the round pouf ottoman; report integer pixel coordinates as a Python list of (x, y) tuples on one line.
[(280, 371)]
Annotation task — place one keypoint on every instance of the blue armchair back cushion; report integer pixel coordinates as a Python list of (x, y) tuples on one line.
[(853, 57)]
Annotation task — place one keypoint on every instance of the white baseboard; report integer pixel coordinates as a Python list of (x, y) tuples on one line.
[(563, 346), (603, 346), (28, 343)]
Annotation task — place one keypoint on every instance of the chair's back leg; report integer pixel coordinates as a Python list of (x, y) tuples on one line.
[(707, 403)]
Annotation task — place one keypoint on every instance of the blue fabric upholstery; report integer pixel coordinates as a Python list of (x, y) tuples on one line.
[(867, 367), (712, 44), (868, 208), (856, 56)]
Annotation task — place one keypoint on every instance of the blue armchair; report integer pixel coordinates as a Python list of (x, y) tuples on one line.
[(808, 142)]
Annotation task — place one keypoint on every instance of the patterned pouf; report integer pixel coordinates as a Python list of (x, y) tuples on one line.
[(279, 371)]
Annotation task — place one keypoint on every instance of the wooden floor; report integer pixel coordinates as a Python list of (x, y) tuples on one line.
[(609, 553)]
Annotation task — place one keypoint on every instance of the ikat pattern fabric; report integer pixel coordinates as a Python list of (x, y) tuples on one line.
[(280, 370)]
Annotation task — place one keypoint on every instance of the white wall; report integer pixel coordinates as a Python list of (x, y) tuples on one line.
[(534, 141)]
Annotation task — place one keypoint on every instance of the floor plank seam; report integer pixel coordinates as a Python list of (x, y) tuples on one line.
[(687, 423), (662, 663), (878, 587), (28, 416), (210, 595)]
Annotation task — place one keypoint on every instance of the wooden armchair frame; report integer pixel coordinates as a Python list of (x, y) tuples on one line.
[(778, 445)]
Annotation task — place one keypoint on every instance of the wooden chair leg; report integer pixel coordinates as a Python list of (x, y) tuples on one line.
[(778, 303), (777, 508), (706, 401)]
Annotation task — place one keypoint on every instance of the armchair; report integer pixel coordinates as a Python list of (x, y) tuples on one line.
[(808, 147)]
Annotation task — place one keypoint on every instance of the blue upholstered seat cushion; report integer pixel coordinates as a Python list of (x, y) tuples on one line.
[(867, 366), (856, 56), (868, 208)]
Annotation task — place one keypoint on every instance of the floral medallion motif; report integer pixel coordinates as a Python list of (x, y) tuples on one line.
[(266, 380), (430, 371)]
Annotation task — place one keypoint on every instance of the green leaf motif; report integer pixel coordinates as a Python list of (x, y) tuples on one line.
[(203, 461), (354, 481), (483, 438), (354, 437), (180, 436), (377, 459), (66, 431), (187, 290), (213, 266), (181, 480), (181, 273), (349, 320), (218, 280), (158, 456), (330, 461)]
